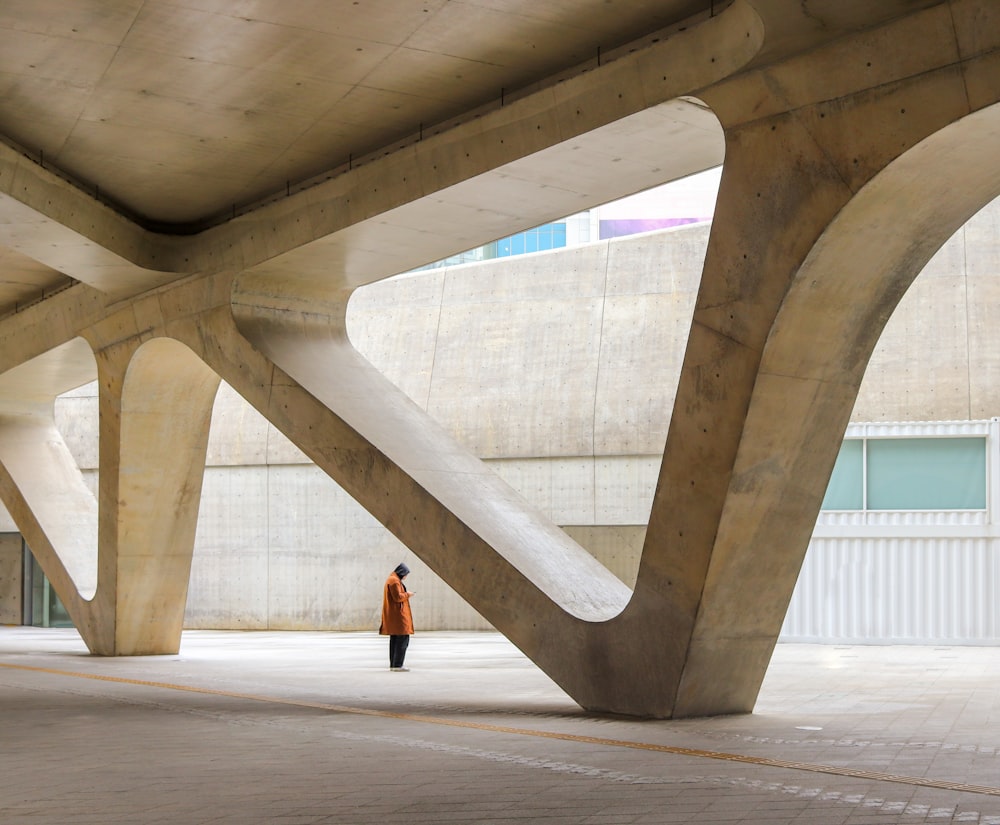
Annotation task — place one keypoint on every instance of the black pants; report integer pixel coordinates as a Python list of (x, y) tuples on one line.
[(397, 650)]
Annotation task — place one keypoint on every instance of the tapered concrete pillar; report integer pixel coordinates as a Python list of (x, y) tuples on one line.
[(804, 388), (832, 200), (155, 406)]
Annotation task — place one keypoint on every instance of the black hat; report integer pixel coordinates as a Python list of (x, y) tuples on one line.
[(401, 570)]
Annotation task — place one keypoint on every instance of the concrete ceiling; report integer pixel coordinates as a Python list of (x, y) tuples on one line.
[(175, 111), (181, 114)]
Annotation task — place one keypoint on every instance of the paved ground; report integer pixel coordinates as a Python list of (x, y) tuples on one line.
[(300, 728)]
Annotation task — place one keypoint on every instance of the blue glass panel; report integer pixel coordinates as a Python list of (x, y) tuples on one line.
[(845, 490), (927, 474)]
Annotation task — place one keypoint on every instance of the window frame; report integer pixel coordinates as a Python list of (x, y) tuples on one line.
[(986, 430)]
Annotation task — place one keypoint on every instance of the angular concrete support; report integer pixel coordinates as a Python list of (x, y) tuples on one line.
[(55, 511), (155, 410), (128, 597), (40, 483), (816, 237), (810, 369)]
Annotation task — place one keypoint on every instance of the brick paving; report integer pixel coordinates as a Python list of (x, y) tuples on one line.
[(302, 728)]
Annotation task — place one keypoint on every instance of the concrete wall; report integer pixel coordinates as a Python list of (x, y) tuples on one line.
[(939, 358), (564, 353), (557, 368), (11, 579)]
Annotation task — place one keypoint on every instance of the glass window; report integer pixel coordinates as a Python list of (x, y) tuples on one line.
[(45, 609), (548, 236), (846, 488), (927, 474)]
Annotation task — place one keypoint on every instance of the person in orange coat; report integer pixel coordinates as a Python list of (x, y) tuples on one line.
[(397, 621)]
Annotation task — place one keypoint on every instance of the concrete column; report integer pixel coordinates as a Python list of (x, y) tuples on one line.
[(827, 211), (155, 410)]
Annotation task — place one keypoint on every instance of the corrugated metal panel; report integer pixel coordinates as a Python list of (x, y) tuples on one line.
[(884, 591), (901, 518), (917, 429)]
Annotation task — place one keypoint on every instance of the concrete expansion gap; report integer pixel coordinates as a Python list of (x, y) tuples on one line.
[(597, 380), (437, 338), (968, 319), (961, 56), (268, 480), (725, 335), (821, 381)]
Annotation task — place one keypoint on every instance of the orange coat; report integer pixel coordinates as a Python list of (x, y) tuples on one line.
[(396, 617)]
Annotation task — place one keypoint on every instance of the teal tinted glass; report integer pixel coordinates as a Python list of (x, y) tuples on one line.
[(844, 492), (927, 474)]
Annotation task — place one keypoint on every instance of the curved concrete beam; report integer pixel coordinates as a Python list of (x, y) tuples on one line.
[(53, 221), (809, 376), (815, 239)]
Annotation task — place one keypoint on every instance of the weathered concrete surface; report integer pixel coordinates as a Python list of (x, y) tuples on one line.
[(11, 579), (836, 123), (178, 112), (568, 337)]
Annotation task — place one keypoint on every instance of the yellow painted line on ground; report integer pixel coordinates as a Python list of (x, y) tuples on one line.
[(675, 750)]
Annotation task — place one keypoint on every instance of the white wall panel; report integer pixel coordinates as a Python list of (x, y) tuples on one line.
[(892, 590), (7, 524)]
